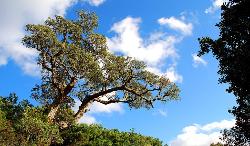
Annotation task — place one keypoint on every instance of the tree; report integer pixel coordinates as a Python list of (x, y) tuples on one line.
[(232, 50), (76, 64)]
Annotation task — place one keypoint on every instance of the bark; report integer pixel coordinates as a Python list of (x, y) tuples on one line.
[(82, 109), (56, 104), (53, 110), (70, 86)]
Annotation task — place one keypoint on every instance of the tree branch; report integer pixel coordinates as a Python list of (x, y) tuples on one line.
[(88, 99), (70, 86), (112, 101), (141, 94)]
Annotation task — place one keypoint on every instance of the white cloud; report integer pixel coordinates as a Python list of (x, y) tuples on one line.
[(171, 73), (129, 42), (3, 58), (215, 6), (162, 112), (87, 119), (155, 70), (95, 2), (177, 24), (173, 76), (198, 61), (154, 50), (97, 108), (14, 16), (224, 124), (201, 135)]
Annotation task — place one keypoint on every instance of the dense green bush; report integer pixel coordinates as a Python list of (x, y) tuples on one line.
[(23, 124), (92, 135)]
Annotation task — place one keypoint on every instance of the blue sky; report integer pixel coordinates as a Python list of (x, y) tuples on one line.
[(163, 34)]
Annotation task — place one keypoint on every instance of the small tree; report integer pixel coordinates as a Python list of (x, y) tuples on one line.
[(232, 50), (76, 64)]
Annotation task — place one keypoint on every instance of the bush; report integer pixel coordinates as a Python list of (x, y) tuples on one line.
[(84, 135), (23, 124)]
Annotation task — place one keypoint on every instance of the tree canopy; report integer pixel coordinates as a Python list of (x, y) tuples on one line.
[(232, 50), (76, 64)]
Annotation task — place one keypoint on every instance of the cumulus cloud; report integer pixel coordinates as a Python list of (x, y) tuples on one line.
[(129, 42), (198, 61), (3, 58), (215, 6), (15, 15), (154, 50), (201, 135), (97, 108), (173, 76), (177, 24), (88, 119), (171, 73), (95, 2)]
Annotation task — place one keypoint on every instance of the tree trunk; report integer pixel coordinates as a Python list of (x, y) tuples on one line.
[(53, 110), (82, 109), (56, 104)]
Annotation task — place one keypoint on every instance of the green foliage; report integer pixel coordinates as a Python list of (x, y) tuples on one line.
[(34, 129), (22, 124), (31, 127), (232, 50), (84, 135), (7, 133), (12, 109)]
